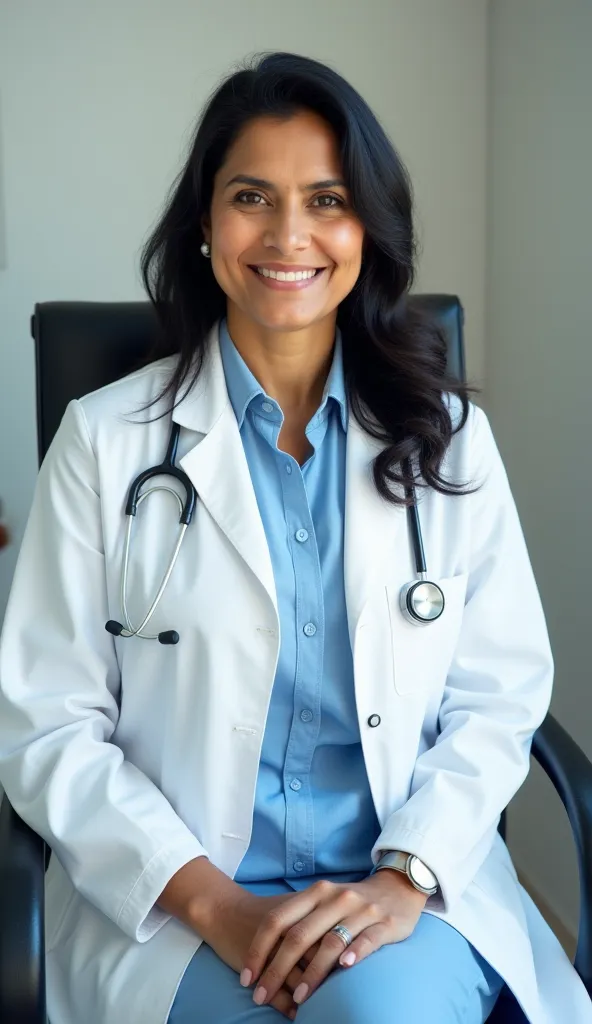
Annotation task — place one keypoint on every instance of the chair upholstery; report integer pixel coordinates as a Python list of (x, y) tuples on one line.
[(79, 347)]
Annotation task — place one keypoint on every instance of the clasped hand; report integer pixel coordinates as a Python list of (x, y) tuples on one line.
[(381, 909)]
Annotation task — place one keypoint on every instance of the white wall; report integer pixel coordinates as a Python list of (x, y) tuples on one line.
[(96, 103), (539, 362)]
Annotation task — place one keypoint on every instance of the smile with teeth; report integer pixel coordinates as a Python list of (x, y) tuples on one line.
[(291, 275)]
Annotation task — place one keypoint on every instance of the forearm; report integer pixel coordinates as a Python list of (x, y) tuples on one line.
[(198, 894)]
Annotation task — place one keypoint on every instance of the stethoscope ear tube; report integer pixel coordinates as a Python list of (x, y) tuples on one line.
[(166, 468), (186, 510)]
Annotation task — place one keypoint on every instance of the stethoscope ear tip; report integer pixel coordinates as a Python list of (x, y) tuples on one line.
[(170, 636), (113, 627)]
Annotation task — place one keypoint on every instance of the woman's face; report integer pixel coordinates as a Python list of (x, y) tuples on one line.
[(295, 216)]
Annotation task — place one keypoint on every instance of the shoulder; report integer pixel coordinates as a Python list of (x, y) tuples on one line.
[(473, 448), (103, 423), (125, 398)]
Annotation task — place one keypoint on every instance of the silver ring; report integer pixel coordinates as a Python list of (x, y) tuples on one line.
[(345, 936)]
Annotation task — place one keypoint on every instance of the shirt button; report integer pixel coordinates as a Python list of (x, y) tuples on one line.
[(296, 785), (288, 469), (310, 629), (374, 720), (302, 535), (298, 865), (267, 407), (306, 715)]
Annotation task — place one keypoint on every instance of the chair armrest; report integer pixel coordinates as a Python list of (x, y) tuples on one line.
[(22, 919), (570, 771)]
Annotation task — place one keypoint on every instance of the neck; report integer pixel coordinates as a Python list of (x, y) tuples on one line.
[(291, 366)]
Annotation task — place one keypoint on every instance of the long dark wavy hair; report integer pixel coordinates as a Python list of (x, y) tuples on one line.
[(394, 356)]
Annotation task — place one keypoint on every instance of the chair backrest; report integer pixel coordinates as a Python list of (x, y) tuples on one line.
[(81, 346)]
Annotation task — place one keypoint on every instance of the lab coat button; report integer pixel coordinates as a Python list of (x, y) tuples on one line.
[(306, 715), (296, 785), (301, 536), (374, 720), (298, 865), (310, 629)]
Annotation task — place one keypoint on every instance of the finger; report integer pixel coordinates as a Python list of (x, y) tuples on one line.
[(300, 937), (368, 941), (283, 1002), (332, 951), (294, 978), (309, 955), (274, 924)]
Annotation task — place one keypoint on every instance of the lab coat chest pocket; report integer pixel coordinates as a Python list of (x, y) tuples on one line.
[(422, 654)]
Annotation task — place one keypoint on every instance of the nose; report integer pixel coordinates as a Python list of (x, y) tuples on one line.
[(288, 229)]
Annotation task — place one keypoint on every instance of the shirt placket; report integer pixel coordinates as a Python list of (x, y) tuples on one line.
[(310, 640)]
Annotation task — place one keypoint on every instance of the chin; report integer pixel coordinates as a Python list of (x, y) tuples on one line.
[(285, 320)]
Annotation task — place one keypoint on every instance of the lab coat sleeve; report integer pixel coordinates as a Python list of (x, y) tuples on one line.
[(113, 830), (497, 694)]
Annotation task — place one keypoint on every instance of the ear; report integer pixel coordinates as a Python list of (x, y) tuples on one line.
[(206, 228)]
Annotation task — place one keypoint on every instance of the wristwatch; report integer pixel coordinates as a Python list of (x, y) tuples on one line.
[(417, 872)]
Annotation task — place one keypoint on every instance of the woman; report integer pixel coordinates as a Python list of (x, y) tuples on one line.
[(240, 786)]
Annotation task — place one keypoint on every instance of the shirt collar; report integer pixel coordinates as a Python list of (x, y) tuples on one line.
[(243, 386)]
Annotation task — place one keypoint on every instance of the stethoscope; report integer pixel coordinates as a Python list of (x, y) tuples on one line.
[(421, 601), (134, 500)]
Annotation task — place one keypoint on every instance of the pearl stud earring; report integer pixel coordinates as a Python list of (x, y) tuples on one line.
[(205, 248)]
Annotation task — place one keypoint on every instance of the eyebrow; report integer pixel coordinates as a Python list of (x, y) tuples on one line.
[(246, 179)]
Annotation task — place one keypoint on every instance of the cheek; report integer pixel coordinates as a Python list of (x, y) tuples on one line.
[(345, 245), (234, 235)]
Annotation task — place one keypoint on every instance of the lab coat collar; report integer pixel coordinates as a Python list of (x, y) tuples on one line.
[(198, 406)]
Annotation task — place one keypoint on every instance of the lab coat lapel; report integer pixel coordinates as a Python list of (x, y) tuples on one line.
[(375, 530), (218, 469)]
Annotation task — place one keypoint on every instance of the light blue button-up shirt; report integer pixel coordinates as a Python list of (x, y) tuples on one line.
[(314, 815)]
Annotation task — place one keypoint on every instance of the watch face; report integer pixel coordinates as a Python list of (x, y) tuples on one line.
[(421, 874)]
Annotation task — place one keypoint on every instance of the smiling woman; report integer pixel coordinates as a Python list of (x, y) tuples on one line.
[(241, 818)]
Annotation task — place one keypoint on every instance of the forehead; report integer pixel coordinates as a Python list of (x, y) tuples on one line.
[(302, 148)]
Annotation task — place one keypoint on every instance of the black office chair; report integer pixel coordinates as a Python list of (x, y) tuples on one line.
[(81, 346)]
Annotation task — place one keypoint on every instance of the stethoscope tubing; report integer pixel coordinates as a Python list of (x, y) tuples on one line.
[(130, 631), (421, 601)]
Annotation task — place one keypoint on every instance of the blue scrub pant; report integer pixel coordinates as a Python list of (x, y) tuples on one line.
[(433, 977)]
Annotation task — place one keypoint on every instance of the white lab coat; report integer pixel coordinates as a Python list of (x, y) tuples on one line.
[(131, 758)]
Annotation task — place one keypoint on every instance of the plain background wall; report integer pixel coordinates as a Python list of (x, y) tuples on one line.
[(97, 103), (539, 363)]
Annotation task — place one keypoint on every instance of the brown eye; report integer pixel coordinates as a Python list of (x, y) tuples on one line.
[(241, 198), (337, 200)]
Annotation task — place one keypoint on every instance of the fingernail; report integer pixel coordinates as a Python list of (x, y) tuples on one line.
[(300, 993), (260, 995), (246, 975), (348, 959)]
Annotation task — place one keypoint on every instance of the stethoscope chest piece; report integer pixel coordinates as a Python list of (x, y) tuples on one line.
[(422, 601)]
